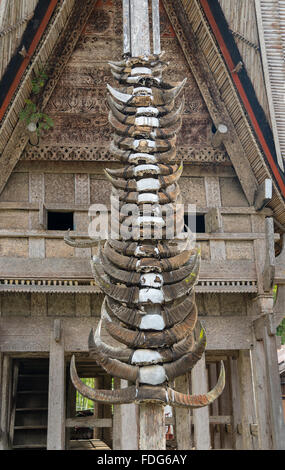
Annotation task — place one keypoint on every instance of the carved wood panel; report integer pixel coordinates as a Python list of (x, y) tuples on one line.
[(78, 104)]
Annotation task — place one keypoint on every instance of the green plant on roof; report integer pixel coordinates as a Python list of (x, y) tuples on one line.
[(35, 120)]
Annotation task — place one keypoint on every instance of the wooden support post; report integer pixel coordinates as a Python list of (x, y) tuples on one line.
[(98, 408), (56, 396), (247, 403), (261, 395), (152, 427), (183, 416), (201, 416), (107, 412), (156, 27), (14, 387), (226, 410), (275, 400), (213, 219), (215, 428), (125, 423), (126, 27), (236, 419), (70, 410), (140, 40), (269, 265), (5, 402)]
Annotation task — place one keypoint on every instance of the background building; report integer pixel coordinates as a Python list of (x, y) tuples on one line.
[(56, 53)]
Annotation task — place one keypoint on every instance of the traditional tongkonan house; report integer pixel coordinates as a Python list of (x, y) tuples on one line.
[(174, 104)]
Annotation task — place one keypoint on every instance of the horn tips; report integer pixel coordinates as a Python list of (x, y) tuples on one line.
[(91, 339), (222, 376), (73, 371)]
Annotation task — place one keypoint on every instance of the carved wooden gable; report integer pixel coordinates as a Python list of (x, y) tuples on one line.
[(78, 104)]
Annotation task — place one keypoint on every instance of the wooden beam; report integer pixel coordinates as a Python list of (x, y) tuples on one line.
[(78, 269), (263, 194), (56, 394), (219, 135), (32, 335), (211, 95), (88, 422)]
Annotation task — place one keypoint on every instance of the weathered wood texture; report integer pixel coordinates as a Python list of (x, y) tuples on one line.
[(5, 402), (260, 380), (247, 402), (140, 39), (125, 423), (183, 419), (202, 440), (32, 335), (56, 395), (152, 427)]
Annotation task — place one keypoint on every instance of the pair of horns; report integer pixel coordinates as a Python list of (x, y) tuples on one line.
[(132, 394)]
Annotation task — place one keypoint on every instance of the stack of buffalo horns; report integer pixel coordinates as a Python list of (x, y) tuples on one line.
[(147, 277)]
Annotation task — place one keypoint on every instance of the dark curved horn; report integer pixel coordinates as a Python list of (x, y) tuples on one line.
[(147, 339), (128, 295), (170, 315), (186, 362), (198, 401), (123, 396), (97, 346), (82, 244)]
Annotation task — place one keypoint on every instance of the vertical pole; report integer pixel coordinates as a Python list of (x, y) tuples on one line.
[(70, 410), (99, 408), (215, 429), (274, 386), (201, 416), (125, 423), (126, 27), (247, 404), (140, 41), (156, 27), (236, 420), (183, 416), (152, 427), (261, 395), (5, 402), (152, 421), (56, 393), (107, 412), (226, 410)]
